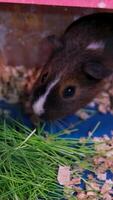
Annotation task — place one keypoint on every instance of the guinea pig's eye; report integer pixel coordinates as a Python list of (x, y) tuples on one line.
[(69, 91), (44, 77)]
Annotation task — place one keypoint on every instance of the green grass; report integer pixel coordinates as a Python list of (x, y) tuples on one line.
[(29, 162)]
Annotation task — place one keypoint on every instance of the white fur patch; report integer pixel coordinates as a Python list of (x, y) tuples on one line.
[(38, 106), (95, 45)]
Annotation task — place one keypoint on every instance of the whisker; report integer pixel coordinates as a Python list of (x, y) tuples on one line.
[(71, 127), (61, 124), (57, 126), (64, 123)]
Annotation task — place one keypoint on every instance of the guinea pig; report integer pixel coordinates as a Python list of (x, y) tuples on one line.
[(76, 71)]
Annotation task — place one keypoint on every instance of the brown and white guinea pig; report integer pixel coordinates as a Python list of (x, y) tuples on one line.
[(76, 71)]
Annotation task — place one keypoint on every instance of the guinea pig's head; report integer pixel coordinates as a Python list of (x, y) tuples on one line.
[(69, 81)]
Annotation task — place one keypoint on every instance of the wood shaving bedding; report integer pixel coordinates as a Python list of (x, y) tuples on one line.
[(15, 82), (103, 101), (97, 184)]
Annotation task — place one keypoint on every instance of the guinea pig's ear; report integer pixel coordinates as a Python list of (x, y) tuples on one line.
[(96, 70), (47, 47)]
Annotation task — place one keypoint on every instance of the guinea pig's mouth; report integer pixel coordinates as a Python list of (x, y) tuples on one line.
[(46, 116)]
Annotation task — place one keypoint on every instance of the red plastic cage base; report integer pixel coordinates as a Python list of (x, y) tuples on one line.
[(77, 3)]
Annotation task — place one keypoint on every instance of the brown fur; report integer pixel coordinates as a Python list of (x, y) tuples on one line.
[(85, 69), (24, 60)]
